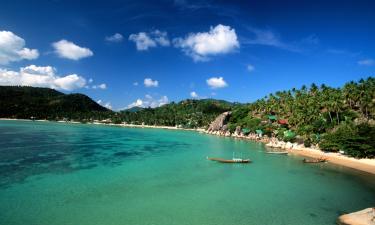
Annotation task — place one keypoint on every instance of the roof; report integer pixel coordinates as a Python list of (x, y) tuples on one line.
[(272, 117), (259, 131), (246, 130), (282, 121)]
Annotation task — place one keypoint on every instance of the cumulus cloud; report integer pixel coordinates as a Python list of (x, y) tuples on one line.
[(135, 83), (100, 86), (69, 50), (149, 101), (12, 48), (41, 76), (218, 40), (366, 62), (114, 38), (148, 82), (144, 41), (105, 104), (250, 68), (137, 103), (216, 82), (193, 94)]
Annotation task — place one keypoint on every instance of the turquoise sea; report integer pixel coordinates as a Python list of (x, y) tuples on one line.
[(76, 174)]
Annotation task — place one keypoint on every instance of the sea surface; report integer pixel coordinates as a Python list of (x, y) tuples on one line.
[(77, 174)]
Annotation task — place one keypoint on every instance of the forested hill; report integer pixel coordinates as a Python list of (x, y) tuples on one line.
[(46, 103), (190, 113)]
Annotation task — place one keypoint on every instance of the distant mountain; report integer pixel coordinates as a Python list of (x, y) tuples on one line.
[(134, 109), (46, 103)]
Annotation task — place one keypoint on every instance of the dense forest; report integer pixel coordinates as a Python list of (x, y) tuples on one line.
[(44, 103), (188, 113), (335, 118)]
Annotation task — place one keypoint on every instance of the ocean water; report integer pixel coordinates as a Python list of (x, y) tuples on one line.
[(74, 174)]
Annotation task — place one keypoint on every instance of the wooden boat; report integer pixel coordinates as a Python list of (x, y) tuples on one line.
[(280, 153), (234, 160), (314, 160)]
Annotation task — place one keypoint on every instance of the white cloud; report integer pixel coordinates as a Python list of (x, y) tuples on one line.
[(12, 48), (144, 40), (148, 82), (193, 94), (216, 82), (137, 103), (161, 37), (135, 84), (91, 80), (149, 101), (100, 86), (269, 38), (219, 40), (107, 104), (69, 50), (366, 62), (250, 68), (114, 38), (41, 76)]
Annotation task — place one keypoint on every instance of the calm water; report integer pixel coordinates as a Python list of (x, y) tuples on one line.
[(61, 174)]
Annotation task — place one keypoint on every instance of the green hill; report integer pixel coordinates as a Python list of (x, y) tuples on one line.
[(46, 103), (187, 113)]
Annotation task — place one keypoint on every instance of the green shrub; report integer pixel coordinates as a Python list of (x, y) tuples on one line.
[(307, 143)]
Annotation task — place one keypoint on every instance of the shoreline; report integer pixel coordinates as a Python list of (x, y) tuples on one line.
[(364, 165)]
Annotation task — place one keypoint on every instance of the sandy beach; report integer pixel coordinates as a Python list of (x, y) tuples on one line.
[(366, 165)]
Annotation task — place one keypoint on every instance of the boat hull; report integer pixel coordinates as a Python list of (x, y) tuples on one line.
[(314, 160), (278, 153), (229, 160)]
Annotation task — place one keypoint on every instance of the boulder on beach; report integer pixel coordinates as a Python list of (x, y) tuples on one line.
[(363, 217)]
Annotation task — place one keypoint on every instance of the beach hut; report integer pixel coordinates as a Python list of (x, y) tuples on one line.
[(282, 122), (272, 118), (245, 131), (259, 132)]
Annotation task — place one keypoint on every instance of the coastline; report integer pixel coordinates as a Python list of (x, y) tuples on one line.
[(365, 165)]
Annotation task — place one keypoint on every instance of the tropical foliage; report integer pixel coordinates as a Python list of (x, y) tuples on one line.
[(316, 115), (188, 113)]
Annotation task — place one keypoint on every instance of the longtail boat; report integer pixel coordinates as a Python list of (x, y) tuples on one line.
[(234, 160), (314, 160), (280, 153)]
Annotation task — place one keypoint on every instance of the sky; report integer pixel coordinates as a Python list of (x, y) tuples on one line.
[(148, 53)]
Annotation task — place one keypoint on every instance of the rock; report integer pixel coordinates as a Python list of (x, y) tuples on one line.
[(237, 132), (363, 217), (219, 122), (288, 145)]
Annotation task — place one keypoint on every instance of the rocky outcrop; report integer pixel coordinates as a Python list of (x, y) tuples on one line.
[(237, 132), (363, 217), (219, 124)]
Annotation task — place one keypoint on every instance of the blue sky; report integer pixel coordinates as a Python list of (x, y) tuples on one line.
[(147, 53)]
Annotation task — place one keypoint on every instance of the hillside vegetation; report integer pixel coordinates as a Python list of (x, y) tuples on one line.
[(188, 113), (45, 103), (335, 118)]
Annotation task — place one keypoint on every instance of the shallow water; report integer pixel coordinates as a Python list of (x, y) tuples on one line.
[(74, 174)]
